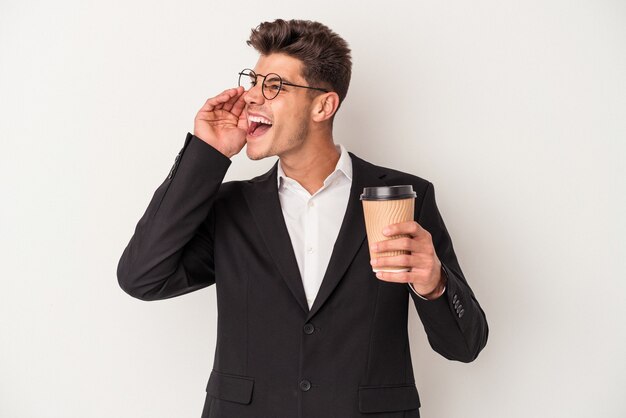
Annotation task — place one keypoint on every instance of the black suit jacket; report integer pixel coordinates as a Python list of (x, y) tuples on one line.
[(348, 356)]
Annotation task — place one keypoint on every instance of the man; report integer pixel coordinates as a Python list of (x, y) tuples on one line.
[(305, 328)]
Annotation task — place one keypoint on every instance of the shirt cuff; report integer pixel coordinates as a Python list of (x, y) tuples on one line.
[(414, 291)]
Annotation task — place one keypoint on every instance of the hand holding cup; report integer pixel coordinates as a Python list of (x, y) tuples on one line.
[(423, 267), (401, 251)]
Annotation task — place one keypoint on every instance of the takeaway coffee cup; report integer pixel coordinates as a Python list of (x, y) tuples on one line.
[(384, 206)]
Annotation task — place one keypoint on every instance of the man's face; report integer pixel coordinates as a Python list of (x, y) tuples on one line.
[(289, 112)]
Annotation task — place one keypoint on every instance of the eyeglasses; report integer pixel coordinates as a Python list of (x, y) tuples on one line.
[(272, 83)]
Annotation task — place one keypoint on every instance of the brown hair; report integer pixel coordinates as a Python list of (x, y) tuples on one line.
[(324, 54)]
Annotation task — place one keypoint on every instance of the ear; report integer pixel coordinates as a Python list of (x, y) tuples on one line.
[(325, 106)]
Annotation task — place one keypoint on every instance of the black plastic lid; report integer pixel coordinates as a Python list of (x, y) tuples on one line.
[(388, 193)]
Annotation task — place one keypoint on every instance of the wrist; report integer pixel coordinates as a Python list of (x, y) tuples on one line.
[(436, 293), (438, 290)]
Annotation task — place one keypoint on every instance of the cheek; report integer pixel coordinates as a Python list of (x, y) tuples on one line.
[(290, 116), (296, 115)]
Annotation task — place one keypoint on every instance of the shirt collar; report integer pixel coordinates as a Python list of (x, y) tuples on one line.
[(344, 165)]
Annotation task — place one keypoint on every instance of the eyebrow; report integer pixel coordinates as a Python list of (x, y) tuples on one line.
[(285, 80), (276, 79)]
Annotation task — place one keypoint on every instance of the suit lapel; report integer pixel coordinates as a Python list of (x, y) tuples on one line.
[(352, 231), (263, 201), (264, 204)]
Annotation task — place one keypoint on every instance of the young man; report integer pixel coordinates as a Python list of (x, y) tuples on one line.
[(305, 328)]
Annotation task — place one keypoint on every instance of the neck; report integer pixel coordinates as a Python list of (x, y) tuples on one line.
[(311, 163)]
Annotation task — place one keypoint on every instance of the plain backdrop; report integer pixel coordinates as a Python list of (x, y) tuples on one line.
[(515, 110)]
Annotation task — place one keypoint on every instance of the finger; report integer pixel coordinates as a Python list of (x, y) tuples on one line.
[(239, 105), (231, 102), (214, 103), (218, 116), (401, 277), (218, 101), (242, 123), (396, 244), (406, 260), (411, 228)]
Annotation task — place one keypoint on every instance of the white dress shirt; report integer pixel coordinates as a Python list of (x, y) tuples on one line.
[(313, 221)]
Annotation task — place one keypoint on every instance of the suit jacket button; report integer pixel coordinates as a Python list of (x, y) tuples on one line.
[(309, 329), (305, 385), (461, 313)]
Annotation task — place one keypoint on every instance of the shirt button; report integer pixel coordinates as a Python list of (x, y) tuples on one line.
[(309, 329), (311, 203), (310, 250), (305, 385)]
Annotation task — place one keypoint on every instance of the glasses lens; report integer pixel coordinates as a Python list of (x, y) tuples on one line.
[(272, 85), (247, 79)]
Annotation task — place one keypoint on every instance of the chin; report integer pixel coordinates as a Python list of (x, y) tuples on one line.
[(261, 147), (255, 155)]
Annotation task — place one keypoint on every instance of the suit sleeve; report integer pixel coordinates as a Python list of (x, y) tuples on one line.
[(171, 250), (455, 323)]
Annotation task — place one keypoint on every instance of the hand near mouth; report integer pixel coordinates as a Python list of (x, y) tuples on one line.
[(221, 122)]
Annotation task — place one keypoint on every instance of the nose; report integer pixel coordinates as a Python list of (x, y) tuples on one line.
[(254, 95)]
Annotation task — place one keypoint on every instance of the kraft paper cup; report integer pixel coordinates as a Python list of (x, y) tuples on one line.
[(383, 206)]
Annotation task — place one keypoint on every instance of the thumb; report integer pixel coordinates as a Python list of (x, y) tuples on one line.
[(242, 123)]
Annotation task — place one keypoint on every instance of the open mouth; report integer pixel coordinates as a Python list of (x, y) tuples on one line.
[(258, 125)]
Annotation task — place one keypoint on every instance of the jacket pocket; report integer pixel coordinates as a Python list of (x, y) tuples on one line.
[(231, 388), (388, 398)]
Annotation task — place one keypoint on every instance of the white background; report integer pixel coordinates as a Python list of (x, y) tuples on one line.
[(516, 111)]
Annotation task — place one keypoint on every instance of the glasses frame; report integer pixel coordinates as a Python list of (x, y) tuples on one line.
[(251, 73)]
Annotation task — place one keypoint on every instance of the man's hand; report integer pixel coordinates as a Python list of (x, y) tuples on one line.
[(425, 274), (222, 122)]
